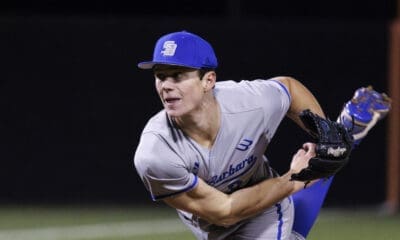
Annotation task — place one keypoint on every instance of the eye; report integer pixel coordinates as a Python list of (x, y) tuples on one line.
[(161, 76), (177, 75)]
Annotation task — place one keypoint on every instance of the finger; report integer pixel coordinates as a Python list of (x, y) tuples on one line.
[(301, 152), (305, 146), (309, 147)]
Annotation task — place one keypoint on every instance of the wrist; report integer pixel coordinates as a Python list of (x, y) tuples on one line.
[(295, 186), (287, 182)]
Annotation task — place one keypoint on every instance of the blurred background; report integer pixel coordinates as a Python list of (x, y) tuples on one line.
[(73, 103)]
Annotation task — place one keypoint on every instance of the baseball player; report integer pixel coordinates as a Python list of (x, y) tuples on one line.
[(203, 154)]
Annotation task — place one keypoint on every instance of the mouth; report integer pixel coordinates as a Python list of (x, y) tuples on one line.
[(171, 100)]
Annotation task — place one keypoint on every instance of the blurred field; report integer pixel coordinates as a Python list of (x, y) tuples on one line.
[(158, 222)]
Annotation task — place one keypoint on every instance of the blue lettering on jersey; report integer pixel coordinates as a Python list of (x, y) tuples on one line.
[(244, 144), (235, 185), (195, 169), (237, 170)]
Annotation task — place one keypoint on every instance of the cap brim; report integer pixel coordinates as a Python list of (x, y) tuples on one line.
[(150, 65), (146, 65)]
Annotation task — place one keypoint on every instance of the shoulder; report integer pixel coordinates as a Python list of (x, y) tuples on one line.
[(159, 138), (248, 94), (151, 138), (156, 156), (251, 87), (157, 123), (158, 131)]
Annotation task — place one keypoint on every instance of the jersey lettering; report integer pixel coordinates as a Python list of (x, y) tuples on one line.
[(244, 145), (195, 169), (233, 170), (235, 185)]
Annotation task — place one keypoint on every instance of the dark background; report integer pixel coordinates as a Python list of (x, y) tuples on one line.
[(73, 103)]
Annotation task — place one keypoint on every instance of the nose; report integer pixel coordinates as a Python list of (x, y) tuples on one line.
[(167, 84)]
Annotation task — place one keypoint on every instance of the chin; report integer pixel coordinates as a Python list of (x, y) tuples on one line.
[(174, 113)]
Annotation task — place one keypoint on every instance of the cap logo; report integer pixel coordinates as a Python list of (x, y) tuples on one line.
[(169, 48)]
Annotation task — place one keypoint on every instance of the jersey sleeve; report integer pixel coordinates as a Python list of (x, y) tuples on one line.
[(161, 169), (275, 100)]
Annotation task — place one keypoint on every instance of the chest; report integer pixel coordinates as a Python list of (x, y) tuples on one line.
[(237, 154)]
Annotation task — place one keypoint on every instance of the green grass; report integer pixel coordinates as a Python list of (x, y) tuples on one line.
[(30, 217), (355, 225), (331, 224)]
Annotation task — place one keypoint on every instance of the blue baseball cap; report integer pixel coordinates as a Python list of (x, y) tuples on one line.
[(182, 49)]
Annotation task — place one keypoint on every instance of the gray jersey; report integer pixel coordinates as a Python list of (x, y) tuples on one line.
[(169, 162)]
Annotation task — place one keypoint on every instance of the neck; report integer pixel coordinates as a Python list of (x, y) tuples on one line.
[(203, 124)]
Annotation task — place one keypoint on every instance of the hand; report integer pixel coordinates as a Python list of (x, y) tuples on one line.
[(301, 158)]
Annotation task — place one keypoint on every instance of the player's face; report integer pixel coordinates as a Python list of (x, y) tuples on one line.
[(180, 89)]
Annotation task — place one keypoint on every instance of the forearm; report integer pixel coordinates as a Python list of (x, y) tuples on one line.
[(249, 201), (252, 200), (227, 209)]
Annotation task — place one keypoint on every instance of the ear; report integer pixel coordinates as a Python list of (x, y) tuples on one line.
[(209, 80)]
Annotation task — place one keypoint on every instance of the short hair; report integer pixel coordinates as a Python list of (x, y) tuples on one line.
[(203, 71)]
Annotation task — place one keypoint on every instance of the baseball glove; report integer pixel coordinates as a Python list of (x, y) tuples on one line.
[(333, 147)]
